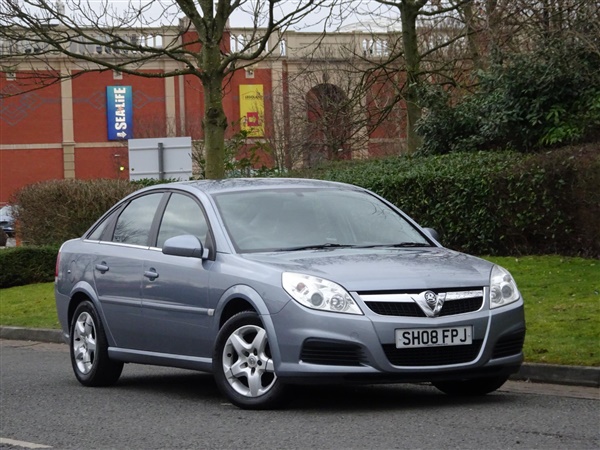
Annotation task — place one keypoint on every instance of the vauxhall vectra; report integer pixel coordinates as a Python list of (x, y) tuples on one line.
[(269, 283)]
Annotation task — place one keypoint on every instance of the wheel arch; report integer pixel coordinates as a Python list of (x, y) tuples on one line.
[(243, 298), (232, 307), (81, 292), (236, 299)]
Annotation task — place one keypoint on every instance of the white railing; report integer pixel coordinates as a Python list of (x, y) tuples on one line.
[(291, 44), (95, 43)]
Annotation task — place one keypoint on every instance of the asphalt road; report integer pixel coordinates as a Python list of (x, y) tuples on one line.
[(154, 407)]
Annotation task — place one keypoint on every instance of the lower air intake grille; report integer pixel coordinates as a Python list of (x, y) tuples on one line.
[(331, 353), (432, 356), (509, 345)]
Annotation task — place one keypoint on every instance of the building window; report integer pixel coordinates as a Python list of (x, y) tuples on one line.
[(249, 72), (117, 75), (11, 76), (282, 47)]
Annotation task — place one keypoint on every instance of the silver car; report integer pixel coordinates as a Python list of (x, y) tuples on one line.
[(268, 283)]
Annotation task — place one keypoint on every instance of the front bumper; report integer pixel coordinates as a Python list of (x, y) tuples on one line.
[(314, 346)]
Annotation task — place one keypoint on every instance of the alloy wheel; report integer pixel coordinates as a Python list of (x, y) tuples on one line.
[(247, 363), (84, 342)]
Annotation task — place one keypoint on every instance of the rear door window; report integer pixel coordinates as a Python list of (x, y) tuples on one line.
[(134, 224)]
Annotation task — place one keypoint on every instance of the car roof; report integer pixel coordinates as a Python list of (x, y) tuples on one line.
[(242, 184)]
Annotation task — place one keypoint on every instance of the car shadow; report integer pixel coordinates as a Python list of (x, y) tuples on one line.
[(175, 383), (383, 397), (198, 386)]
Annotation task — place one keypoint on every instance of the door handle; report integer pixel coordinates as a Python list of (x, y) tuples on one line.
[(102, 267), (151, 274)]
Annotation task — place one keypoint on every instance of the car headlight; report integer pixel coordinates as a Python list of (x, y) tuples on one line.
[(317, 293), (503, 289)]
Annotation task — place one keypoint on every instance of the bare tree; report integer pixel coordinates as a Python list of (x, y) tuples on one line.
[(447, 41), (335, 107), (127, 36), (498, 28), (428, 30), (325, 107)]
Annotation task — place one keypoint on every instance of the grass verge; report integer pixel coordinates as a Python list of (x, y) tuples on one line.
[(29, 306), (562, 307)]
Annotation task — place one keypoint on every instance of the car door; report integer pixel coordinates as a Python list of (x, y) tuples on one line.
[(118, 263), (175, 288)]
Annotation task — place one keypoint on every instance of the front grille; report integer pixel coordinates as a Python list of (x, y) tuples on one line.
[(509, 345), (463, 306), (402, 304), (396, 309), (331, 353), (432, 356)]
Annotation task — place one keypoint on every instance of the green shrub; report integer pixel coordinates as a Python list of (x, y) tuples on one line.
[(145, 182), (500, 203), (27, 265), (497, 203), (545, 98), (51, 212)]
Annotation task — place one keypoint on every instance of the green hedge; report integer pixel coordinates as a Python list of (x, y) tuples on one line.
[(499, 203), (51, 212), (27, 265)]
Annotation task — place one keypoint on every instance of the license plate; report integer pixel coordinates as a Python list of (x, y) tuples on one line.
[(433, 337)]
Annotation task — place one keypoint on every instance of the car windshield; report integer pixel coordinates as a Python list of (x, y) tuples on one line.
[(299, 219)]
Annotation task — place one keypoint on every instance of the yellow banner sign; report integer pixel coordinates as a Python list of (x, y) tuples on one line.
[(252, 109)]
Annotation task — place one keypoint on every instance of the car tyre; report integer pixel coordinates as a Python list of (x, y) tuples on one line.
[(89, 349), (243, 367), (474, 387)]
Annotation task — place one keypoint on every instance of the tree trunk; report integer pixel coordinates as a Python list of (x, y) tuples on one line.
[(471, 30), (494, 31), (409, 11), (215, 121)]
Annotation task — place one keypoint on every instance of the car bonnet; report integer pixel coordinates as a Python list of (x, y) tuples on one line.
[(383, 269)]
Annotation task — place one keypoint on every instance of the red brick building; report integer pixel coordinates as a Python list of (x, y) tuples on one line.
[(60, 131)]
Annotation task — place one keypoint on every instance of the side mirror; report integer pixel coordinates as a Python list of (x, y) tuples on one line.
[(184, 245), (432, 233)]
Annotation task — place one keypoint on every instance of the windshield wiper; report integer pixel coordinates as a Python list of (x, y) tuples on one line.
[(333, 245), (315, 247), (398, 245)]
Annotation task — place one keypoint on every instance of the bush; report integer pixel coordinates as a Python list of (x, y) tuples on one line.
[(27, 265), (498, 203), (546, 98), (492, 203), (51, 212)]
